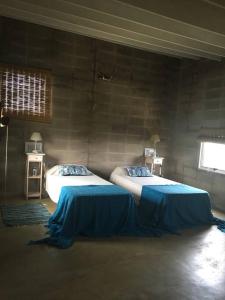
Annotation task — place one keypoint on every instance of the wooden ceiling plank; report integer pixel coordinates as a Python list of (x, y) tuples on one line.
[(65, 10), (63, 25), (136, 14), (142, 30)]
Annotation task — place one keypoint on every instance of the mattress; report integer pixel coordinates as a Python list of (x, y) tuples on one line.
[(54, 182), (134, 184)]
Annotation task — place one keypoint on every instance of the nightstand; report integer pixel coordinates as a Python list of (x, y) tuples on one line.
[(34, 171), (155, 164)]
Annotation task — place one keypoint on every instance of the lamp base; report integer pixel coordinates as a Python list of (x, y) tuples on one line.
[(34, 151)]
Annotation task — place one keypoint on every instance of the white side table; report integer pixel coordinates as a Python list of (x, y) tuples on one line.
[(34, 171), (155, 163)]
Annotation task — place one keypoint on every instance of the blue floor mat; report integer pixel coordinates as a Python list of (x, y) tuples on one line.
[(25, 214)]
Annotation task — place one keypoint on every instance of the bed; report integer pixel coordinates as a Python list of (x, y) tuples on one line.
[(134, 184), (164, 203), (55, 181), (88, 205)]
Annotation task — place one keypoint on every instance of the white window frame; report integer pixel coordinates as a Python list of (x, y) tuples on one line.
[(208, 169)]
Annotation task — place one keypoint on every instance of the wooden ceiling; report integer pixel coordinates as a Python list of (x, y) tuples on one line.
[(193, 29)]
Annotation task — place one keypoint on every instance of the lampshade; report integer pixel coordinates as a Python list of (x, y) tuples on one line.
[(155, 139), (36, 136)]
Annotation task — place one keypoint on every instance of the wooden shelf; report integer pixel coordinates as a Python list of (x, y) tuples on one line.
[(35, 162), (154, 162)]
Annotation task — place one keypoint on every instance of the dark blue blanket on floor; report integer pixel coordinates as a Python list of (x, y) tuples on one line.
[(174, 207), (96, 211)]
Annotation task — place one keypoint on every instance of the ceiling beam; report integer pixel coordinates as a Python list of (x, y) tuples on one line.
[(139, 31), (90, 32), (206, 15), (122, 22), (149, 18)]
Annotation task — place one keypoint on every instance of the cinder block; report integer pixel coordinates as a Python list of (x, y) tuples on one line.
[(116, 147), (213, 93), (190, 172)]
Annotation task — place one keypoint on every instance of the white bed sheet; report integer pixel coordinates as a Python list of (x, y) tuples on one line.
[(54, 182), (134, 184)]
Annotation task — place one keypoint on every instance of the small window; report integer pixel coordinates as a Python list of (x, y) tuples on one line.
[(212, 157), (25, 93)]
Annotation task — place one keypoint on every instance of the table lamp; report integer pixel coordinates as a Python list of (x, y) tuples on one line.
[(36, 136)]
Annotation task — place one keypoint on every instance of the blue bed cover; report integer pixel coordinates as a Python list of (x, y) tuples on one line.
[(107, 210), (96, 211), (174, 207)]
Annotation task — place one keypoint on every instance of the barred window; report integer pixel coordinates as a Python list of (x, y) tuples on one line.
[(25, 93), (212, 157)]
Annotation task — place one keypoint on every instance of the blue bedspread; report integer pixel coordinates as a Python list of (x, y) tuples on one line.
[(96, 211), (174, 207), (100, 211)]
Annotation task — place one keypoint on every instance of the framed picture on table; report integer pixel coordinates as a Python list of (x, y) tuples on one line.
[(149, 152)]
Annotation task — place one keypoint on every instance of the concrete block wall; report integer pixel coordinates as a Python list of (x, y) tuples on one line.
[(98, 123), (200, 111), (131, 107)]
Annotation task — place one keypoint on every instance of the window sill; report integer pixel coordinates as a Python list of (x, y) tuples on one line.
[(216, 171)]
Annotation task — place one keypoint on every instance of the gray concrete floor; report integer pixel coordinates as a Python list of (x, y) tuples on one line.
[(189, 266)]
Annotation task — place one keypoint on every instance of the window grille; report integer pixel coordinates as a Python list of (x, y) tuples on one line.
[(25, 93)]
